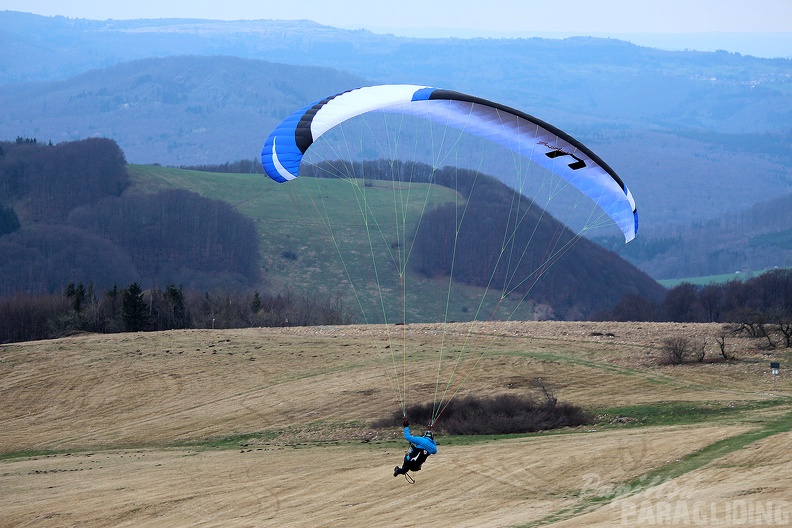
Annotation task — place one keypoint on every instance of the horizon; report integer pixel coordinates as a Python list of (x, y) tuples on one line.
[(761, 28)]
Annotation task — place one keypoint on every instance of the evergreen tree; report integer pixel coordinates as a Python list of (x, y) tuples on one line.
[(112, 297), (255, 305), (77, 293), (9, 221), (175, 297), (135, 309)]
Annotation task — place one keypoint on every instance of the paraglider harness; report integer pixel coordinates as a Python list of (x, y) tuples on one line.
[(413, 460)]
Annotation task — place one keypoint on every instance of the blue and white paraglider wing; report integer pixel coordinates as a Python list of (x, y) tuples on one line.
[(533, 138)]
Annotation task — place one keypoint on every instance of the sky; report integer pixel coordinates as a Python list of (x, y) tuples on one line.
[(707, 25)]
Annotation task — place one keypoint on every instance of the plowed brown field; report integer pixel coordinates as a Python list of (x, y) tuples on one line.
[(120, 430)]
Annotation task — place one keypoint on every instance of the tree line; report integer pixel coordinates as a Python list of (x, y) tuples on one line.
[(244, 166), (759, 306), (79, 308)]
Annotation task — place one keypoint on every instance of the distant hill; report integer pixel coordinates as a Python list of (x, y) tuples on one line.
[(197, 110), (81, 215), (698, 137), (572, 79), (177, 110), (757, 237), (297, 252)]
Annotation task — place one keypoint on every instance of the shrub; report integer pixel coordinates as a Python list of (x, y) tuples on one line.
[(503, 414), (675, 350)]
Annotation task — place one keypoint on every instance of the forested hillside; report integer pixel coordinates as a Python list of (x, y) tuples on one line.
[(67, 219), (753, 238), (582, 281), (167, 109), (176, 110), (757, 237), (66, 264), (45, 182), (116, 233), (578, 282)]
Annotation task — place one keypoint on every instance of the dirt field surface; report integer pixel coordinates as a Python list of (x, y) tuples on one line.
[(273, 427)]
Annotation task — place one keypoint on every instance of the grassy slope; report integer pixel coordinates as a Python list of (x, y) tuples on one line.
[(268, 427), (713, 279), (287, 220)]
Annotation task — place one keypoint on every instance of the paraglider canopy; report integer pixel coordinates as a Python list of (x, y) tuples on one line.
[(419, 204), (524, 134)]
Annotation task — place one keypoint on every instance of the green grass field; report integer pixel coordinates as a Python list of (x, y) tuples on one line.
[(713, 279), (306, 224)]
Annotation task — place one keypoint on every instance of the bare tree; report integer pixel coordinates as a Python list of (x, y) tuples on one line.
[(785, 326), (722, 344), (547, 392), (701, 351), (675, 350)]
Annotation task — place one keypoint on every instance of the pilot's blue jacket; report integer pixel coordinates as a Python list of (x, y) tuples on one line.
[(421, 442)]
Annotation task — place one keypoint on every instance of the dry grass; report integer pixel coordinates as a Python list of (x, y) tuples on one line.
[(112, 418)]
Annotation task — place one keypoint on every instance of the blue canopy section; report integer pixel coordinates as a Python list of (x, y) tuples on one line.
[(280, 156)]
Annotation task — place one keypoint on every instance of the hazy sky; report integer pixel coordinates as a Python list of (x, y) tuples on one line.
[(464, 17)]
